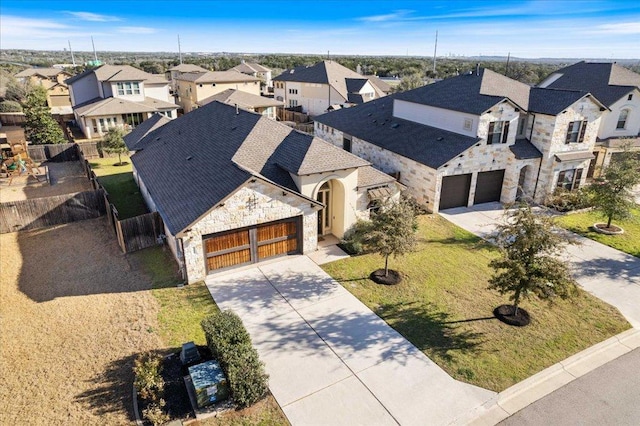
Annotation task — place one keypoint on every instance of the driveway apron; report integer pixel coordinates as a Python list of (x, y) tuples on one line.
[(608, 274), (330, 359)]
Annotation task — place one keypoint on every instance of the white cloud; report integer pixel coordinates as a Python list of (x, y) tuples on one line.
[(15, 26), (395, 16), (94, 17), (619, 28), (137, 30)]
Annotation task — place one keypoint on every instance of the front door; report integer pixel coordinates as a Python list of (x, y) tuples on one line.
[(324, 215)]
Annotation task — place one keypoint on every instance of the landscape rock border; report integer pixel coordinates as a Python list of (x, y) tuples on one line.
[(601, 228)]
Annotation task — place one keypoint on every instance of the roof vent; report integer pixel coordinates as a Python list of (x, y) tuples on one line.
[(395, 125), (189, 158), (439, 138)]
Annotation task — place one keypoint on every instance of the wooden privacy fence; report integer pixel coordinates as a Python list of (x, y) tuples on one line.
[(296, 117), (139, 232), (48, 211), (89, 149), (12, 118), (54, 152)]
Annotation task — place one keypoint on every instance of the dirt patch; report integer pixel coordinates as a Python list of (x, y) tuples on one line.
[(65, 178), (15, 134), (73, 315)]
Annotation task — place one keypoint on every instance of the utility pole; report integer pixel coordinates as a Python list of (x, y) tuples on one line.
[(435, 50), (95, 55), (73, 59), (179, 49), (506, 71)]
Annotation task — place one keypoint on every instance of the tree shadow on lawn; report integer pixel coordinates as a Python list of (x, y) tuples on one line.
[(432, 330), (472, 242)]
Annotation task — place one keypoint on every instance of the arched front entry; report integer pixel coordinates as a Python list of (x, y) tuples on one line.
[(331, 217), (324, 215)]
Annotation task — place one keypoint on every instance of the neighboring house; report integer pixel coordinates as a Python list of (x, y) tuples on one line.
[(234, 187), (178, 70), (259, 104), (117, 96), (51, 79), (194, 87), (474, 138), (325, 84), (256, 70), (619, 90)]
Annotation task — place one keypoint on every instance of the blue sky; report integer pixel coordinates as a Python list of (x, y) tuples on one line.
[(529, 29)]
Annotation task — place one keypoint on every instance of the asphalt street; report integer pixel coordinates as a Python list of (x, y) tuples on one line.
[(609, 395)]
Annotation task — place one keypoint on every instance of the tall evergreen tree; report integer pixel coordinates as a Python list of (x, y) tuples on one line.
[(39, 126)]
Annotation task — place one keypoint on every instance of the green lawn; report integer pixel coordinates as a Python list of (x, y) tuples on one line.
[(629, 242), (443, 307), (119, 183)]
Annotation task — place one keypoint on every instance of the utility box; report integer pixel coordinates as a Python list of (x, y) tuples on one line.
[(189, 353), (209, 382)]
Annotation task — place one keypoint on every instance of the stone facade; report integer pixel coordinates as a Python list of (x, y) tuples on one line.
[(257, 202)]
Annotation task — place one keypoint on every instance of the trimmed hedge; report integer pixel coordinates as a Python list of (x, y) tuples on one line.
[(230, 343)]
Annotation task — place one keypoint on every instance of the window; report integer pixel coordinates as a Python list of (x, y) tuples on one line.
[(498, 132), (346, 143), (569, 179), (293, 91), (293, 102), (575, 132), (133, 119), (128, 88), (630, 97), (622, 119), (467, 124), (374, 207)]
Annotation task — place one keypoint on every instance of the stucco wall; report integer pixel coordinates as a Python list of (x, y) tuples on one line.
[(190, 93), (610, 118), (158, 91), (84, 89), (237, 212), (440, 118)]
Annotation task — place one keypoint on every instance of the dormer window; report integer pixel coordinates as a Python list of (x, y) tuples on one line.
[(622, 119), (498, 132), (575, 132), (128, 88)]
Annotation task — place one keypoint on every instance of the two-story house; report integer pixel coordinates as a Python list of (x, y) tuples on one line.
[(117, 96), (474, 138), (175, 72), (52, 79), (256, 70), (260, 104), (619, 90), (194, 87), (325, 84)]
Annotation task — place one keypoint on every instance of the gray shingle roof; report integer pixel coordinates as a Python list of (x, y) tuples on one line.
[(217, 77), (111, 106), (324, 72), (524, 150), (354, 85), (472, 93), (188, 68), (119, 73), (143, 129), (373, 122), (242, 99), (44, 72), (608, 82), (193, 162), (369, 176), (381, 84), (553, 101), (249, 68)]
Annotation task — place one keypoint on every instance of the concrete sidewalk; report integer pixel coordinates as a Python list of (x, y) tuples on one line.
[(331, 360), (608, 274)]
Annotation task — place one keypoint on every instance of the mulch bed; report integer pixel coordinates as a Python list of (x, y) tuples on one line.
[(379, 277), (609, 230), (505, 313)]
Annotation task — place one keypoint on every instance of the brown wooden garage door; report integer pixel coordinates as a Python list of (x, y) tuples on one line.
[(251, 245), (455, 191), (488, 186)]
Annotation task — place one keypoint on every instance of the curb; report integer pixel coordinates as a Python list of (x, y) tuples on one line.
[(136, 410), (522, 394)]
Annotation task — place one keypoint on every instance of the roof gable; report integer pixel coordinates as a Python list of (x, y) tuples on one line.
[(217, 77)]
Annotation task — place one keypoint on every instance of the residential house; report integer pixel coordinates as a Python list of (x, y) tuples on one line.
[(256, 70), (325, 84), (194, 87), (117, 95), (175, 72), (619, 90), (51, 79), (234, 187), (473, 138), (259, 104)]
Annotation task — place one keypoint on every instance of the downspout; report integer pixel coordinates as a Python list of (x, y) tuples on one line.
[(183, 266), (535, 188)]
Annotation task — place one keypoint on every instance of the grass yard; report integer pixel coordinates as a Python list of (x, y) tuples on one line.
[(443, 307), (581, 223), (119, 183)]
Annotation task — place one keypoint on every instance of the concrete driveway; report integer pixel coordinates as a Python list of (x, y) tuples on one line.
[(330, 359), (608, 274)]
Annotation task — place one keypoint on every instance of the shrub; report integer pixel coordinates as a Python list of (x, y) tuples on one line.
[(353, 240), (231, 345), (10, 106), (155, 413), (149, 382), (564, 200)]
